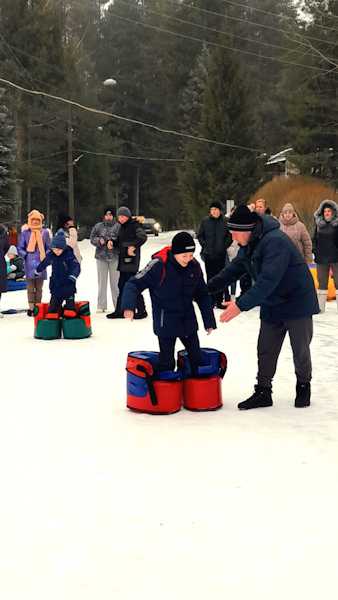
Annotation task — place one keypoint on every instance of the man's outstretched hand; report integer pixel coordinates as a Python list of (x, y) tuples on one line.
[(230, 312)]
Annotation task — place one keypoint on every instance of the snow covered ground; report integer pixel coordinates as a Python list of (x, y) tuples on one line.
[(97, 502)]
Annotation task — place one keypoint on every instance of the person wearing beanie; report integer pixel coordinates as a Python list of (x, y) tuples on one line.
[(65, 271), (215, 239), (15, 266), (174, 279), (124, 211), (33, 245), (103, 236), (297, 232), (66, 224), (325, 248), (283, 288), (131, 236)]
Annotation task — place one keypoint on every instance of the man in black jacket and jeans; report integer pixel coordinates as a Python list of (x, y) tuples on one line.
[(130, 238), (215, 238), (283, 288)]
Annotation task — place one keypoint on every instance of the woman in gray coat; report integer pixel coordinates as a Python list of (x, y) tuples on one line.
[(103, 236), (4, 245)]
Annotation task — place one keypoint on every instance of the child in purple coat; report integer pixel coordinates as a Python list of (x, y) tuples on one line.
[(33, 246)]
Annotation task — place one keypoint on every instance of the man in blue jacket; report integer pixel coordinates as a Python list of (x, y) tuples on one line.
[(174, 279), (283, 288)]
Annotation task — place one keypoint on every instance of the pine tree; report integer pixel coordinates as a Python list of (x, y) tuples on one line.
[(215, 171), (312, 106), (6, 160)]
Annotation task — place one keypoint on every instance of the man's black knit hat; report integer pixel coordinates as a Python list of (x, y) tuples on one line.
[(182, 242), (242, 219), (216, 204)]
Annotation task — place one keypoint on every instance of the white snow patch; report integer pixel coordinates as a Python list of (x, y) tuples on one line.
[(97, 502)]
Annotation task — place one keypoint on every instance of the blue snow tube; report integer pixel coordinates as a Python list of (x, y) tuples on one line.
[(14, 286), (213, 363), (149, 391), (203, 391)]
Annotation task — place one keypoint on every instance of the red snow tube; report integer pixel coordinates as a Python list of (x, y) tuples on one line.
[(160, 395), (202, 394), (204, 391)]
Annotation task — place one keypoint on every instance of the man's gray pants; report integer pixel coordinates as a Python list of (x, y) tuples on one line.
[(105, 268), (270, 341)]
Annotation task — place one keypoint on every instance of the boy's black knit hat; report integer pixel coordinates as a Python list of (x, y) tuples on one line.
[(182, 242), (59, 240), (242, 219)]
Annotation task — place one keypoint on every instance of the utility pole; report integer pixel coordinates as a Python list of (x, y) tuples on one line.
[(107, 191), (137, 190), (48, 205), (71, 203)]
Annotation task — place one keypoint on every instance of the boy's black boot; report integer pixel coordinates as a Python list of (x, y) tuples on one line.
[(303, 395), (261, 397)]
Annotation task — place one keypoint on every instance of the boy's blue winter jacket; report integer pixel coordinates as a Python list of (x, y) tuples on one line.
[(283, 285), (65, 270), (172, 290)]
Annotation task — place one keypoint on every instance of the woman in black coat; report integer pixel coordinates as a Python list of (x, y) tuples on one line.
[(130, 238), (325, 247), (4, 245)]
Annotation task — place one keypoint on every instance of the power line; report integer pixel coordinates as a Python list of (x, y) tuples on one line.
[(118, 156), (127, 119), (241, 20), (35, 58), (202, 41), (266, 12), (212, 29), (34, 159)]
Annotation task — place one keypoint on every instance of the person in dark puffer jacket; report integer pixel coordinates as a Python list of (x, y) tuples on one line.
[(65, 270), (174, 279), (325, 248), (283, 288), (215, 238), (131, 236)]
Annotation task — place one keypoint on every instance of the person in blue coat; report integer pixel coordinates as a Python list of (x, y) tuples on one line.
[(283, 288), (65, 270), (174, 279)]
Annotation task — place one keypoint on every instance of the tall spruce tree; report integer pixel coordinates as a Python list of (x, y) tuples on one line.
[(215, 171), (7, 156), (312, 104)]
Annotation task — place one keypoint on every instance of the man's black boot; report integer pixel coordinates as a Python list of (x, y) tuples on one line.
[(141, 315), (260, 398), (303, 395)]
